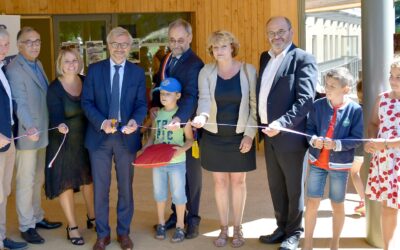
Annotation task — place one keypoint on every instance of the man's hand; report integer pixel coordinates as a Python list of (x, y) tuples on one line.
[(108, 127), (130, 127), (245, 144), (63, 128), (174, 125), (33, 134), (4, 141), (199, 121), (272, 130)]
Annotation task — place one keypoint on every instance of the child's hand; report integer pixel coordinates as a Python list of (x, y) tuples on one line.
[(374, 145), (329, 144), (179, 151), (318, 143)]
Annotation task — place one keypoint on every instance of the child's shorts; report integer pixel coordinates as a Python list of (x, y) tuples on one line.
[(337, 183), (175, 174)]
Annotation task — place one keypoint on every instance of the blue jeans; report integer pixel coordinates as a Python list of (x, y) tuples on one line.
[(337, 183), (176, 173)]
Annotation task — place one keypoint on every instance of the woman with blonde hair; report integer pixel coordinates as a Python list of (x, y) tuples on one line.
[(227, 113), (71, 169)]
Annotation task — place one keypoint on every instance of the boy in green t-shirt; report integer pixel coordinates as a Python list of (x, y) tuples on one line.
[(175, 171)]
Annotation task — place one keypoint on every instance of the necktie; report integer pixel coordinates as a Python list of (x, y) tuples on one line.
[(114, 104), (172, 64)]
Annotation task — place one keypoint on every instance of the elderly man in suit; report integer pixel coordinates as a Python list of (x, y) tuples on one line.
[(29, 87), (7, 148), (114, 101), (285, 94), (184, 65)]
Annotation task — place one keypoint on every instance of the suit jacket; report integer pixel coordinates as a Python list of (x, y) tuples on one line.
[(247, 109), (96, 97), (30, 98), (186, 71), (5, 118), (291, 97)]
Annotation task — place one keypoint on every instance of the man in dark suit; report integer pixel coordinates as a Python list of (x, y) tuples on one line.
[(285, 93), (184, 65), (7, 148), (114, 101)]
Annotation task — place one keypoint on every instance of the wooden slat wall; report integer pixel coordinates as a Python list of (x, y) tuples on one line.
[(245, 18)]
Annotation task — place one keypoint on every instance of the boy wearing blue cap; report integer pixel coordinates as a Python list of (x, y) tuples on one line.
[(175, 171)]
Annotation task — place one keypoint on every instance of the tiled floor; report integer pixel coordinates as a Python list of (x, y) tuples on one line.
[(258, 218)]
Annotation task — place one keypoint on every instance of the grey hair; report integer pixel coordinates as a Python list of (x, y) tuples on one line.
[(342, 75), (24, 30), (181, 23), (288, 22), (119, 31)]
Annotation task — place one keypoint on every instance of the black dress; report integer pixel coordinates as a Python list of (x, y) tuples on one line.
[(71, 169), (220, 152)]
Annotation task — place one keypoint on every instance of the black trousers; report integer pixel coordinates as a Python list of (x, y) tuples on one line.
[(286, 183), (193, 190)]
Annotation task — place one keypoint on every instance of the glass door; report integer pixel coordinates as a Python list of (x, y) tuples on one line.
[(87, 32)]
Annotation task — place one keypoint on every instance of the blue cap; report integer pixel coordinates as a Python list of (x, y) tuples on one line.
[(170, 84)]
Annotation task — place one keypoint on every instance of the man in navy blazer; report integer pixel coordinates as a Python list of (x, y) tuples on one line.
[(7, 148), (184, 65), (114, 101), (285, 94)]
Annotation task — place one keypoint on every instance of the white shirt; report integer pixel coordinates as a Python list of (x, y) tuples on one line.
[(121, 78), (267, 79), (6, 86)]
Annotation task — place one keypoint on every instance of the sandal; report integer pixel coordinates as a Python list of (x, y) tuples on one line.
[(75, 240), (222, 238), (90, 222), (237, 240)]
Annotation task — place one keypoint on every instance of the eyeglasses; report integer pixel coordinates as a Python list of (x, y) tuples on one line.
[(179, 41), (30, 43), (279, 33), (116, 45)]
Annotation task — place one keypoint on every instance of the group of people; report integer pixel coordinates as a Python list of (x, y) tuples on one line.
[(96, 118)]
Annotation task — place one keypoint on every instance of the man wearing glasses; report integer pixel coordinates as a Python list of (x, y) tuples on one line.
[(114, 102), (184, 65), (285, 94), (29, 84)]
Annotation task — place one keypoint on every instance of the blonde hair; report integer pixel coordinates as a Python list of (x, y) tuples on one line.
[(222, 36), (396, 61), (60, 59)]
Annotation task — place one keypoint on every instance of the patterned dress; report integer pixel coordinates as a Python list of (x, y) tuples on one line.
[(384, 173)]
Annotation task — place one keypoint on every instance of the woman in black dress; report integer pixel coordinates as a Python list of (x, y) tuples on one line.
[(227, 96), (71, 169)]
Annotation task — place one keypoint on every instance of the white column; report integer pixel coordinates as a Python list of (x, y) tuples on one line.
[(377, 53)]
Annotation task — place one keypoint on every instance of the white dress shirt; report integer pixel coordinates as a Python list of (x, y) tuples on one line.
[(267, 79)]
